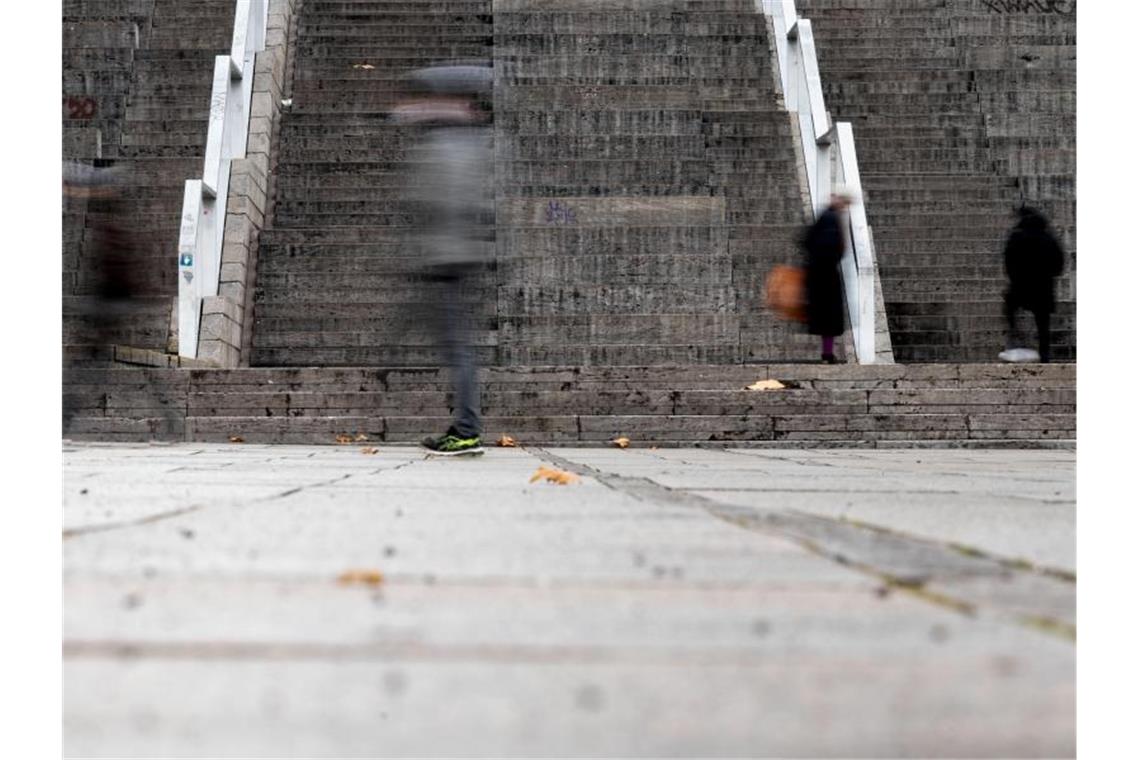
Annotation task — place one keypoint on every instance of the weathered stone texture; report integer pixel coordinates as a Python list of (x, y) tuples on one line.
[(874, 405), (136, 92), (646, 182)]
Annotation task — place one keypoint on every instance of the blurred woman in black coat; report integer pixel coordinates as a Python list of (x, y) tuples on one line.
[(824, 242)]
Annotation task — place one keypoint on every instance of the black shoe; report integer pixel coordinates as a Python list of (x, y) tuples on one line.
[(829, 359), (453, 444)]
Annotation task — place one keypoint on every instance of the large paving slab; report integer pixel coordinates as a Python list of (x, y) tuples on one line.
[(626, 614), (1020, 505)]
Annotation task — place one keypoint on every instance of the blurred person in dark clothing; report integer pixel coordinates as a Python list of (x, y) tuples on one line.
[(111, 250), (823, 285), (452, 194), (1033, 261), (113, 270)]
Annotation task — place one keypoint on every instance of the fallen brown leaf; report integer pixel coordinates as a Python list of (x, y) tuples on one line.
[(361, 437), (236, 439), (342, 438), (551, 475), (370, 450), (366, 66), (766, 385), (362, 577), (506, 441), (621, 443)]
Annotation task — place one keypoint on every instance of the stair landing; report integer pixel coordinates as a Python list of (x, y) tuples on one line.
[(983, 405)]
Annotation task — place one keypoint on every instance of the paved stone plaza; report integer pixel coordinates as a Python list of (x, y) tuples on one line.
[(681, 602)]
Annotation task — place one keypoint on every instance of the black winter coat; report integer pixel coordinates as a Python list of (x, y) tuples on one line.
[(824, 244), (1033, 259)]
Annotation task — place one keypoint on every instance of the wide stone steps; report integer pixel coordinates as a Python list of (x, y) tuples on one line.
[(971, 323), (635, 105), (590, 23), (86, 10), (973, 335), (340, 316), (952, 405)]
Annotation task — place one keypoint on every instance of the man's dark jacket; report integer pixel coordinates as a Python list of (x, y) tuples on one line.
[(1033, 259)]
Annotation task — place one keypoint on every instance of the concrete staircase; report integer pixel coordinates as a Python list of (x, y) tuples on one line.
[(335, 284), (960, 114), (646, 182), (136, 92)]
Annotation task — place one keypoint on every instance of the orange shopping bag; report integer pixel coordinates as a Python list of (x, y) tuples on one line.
[(784, 292)]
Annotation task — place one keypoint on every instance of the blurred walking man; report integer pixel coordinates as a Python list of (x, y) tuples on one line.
[(452, 193)]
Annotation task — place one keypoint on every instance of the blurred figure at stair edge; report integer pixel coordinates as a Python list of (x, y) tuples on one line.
[(1033, 261), (113, 267), (823, 285), (451, 190)]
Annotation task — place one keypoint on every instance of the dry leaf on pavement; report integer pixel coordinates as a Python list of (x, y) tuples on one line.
[(342, 438), (551, 475), (766, 385), (362, 577), (621, 443), (366, 66), (370, 450), (506, 441), (236, 439), (361, 437)]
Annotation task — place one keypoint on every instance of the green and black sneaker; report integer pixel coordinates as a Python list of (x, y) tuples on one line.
[(451, 444)]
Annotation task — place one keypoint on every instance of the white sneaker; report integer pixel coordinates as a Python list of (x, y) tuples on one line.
[(1020, 355)]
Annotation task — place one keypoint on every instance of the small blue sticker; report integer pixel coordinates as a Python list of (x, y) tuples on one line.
[(186, 260)]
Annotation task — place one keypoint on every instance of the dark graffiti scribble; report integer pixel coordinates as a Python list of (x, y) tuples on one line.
[(559, 213), (1058, 7)]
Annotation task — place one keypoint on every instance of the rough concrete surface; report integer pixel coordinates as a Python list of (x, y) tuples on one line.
[(825, 603)]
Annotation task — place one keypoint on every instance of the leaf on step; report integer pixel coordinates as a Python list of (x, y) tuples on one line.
[(766, 385), (506, 442), (551, 475), (342, 438), (365, 66), (360, 577), (360, 437), (370, 450), (621, 443), (236, 439)]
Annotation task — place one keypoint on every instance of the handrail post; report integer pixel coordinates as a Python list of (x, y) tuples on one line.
[(205, 200)]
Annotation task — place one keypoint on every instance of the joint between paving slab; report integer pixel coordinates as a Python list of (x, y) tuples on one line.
[(70, 533), (799, 528), (87, 530)]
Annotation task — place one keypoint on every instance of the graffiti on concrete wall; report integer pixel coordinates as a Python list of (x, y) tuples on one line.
[(559, 213), (1058, 7)]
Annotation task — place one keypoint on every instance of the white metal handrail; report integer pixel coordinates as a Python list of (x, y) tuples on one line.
[(204, 200), (829, 155)]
